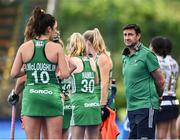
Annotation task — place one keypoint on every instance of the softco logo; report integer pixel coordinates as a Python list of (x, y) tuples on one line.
[(41, 91), (91, 104)]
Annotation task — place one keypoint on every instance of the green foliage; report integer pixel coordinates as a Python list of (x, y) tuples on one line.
[(156, 17)]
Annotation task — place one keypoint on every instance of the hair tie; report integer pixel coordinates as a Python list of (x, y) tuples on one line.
[(42, 11)]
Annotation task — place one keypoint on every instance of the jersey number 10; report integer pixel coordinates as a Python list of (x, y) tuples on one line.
[(43, 76)]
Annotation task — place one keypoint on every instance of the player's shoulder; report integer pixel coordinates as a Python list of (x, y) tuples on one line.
[(146, 50), (54, 44), (104, 58), (26, 45), (76, 59)]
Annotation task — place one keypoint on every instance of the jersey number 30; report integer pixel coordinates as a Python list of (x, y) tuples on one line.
[(88, 85)]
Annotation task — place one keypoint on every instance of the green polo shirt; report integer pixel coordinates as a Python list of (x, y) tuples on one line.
[(140, 89)]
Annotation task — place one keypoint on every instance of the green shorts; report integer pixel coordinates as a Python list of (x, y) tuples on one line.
[(67, 113), (42, 101), (85, 110)]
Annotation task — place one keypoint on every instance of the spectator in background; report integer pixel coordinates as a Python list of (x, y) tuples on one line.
[(143, 84), (169, 105), (172, 90), (157, 45)]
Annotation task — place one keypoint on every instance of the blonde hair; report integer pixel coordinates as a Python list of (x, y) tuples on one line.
[(76, 41), (95, 37)]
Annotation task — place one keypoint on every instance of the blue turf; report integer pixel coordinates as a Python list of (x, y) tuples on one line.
[(5, 125)]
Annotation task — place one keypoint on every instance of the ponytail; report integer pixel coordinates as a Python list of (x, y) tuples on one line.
[(38, 23), (76, 41), (33, 23), (98, 41)]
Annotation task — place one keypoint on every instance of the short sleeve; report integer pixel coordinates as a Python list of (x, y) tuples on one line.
[(152, 62)]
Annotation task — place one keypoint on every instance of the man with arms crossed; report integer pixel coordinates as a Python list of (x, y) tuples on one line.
[(143, 83)]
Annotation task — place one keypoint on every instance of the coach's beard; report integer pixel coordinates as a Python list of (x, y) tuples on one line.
[(132, 45), (136, 46)]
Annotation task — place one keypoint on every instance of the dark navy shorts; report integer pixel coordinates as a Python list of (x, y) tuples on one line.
[(168, 113), (169, 109), (142, 123)]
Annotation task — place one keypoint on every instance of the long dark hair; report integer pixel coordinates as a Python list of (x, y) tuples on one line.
[(168, 45), (158, 45), (38, 23)]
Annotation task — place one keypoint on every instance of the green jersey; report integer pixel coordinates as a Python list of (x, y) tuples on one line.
[(140, 89), (85, 81), (66, 89), (66, 86), (85, 104), (41, 95)]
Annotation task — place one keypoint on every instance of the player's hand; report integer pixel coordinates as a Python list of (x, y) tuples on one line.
[(56, 38), (12, 98), (104, 113)]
